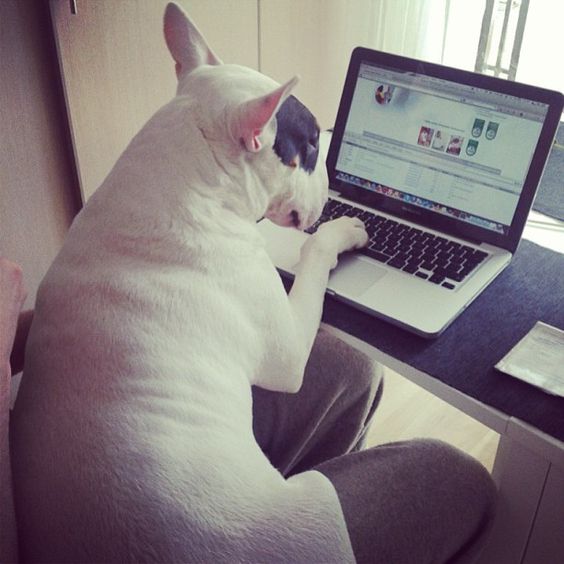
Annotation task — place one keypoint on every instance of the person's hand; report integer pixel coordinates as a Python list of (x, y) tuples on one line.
[(12, 297)]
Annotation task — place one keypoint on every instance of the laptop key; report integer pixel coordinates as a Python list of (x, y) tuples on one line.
[(332, 205), (452, 275), (396, 263), (402, 257), (480, 255), (365, 216), (379, 256), (378, 247), (411, 268)]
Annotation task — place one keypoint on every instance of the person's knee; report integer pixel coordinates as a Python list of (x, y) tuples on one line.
[(420, 500), (465, 484), (450, 458)]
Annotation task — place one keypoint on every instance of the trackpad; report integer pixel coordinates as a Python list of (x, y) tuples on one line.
[(353, 275)]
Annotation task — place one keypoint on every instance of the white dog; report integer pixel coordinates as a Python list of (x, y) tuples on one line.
[(133, 428)]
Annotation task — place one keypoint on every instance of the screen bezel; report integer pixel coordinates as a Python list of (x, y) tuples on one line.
[(428, 218)]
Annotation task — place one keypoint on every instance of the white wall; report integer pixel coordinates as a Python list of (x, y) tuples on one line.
[(38, 192)]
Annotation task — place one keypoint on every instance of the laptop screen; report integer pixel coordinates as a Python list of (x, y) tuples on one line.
[(454, 150)]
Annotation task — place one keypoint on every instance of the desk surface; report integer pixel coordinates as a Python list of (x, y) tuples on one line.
[(463, 357)]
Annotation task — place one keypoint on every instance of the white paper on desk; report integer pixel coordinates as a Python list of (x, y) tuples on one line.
[(538, 358)]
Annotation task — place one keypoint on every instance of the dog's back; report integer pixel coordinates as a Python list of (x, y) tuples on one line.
[(133, 426)]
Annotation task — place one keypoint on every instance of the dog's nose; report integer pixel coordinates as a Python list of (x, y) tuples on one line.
[(295, 218)]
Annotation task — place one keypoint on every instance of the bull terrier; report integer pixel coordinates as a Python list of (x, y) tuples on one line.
[(133, 426)]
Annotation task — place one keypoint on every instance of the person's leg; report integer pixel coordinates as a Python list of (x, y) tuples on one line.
[(330, 414), (419, 502)]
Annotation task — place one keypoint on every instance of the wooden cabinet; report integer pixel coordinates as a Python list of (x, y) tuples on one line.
[(546, 542), (116, 69)]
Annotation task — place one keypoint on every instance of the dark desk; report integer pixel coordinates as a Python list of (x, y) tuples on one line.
[(459, 368)]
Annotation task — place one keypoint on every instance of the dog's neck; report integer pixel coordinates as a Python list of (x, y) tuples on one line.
[(172, 167)]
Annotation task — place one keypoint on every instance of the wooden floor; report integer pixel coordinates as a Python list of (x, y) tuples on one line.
[(407, 411)]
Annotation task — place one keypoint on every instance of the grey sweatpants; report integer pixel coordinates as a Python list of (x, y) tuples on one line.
[(419, 501)]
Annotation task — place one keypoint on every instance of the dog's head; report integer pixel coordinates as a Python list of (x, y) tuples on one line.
[(263, 136)]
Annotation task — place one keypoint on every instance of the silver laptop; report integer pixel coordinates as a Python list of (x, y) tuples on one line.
[(442, 165)]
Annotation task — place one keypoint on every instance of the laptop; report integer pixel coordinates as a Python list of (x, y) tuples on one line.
[(442, 165)]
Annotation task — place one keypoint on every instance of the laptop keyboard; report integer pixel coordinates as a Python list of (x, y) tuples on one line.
[(417, 252)]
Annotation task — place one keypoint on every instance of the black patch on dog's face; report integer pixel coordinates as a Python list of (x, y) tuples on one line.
[(297, 137)]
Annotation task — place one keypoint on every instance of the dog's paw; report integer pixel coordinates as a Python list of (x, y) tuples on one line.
[(344, 233), (339, 235)]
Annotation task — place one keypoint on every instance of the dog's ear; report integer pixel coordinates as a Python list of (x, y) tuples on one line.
[(250, 118), (185, 43)]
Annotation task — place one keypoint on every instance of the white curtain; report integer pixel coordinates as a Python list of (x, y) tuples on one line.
[(315, 38), (414, 28), (446, 31)]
